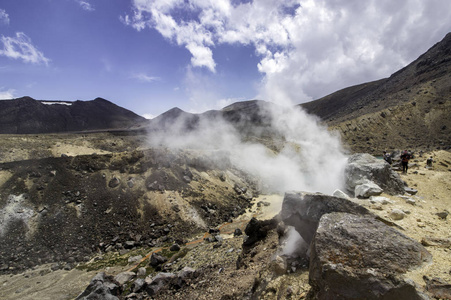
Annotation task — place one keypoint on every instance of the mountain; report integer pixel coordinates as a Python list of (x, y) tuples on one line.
[(27, 115), (410, 109)]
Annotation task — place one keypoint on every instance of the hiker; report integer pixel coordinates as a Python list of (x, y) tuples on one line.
[(405, 157), (387, 157), (429, 162)]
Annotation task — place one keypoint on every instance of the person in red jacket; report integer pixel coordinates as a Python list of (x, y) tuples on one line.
[(405, 157)]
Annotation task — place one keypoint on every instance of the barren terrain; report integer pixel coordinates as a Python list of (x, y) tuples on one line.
[(218, 276)]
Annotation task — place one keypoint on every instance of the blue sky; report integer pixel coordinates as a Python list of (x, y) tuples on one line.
[(151, 55)]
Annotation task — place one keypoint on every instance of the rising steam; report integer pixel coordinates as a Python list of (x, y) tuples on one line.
[(303, 156)]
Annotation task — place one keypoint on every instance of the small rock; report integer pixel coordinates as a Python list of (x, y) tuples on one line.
[(156, 260), (129, 244), (217, 245), (141, 272), (175, 247), (410, 201), (410, 191), (130, 183), (397, 214), (442, 215), (436, 242), (55, 267), (114, 182), (124, 277), (138, 285), (380, 200), (279, 265), (237, 232), (133, 259)]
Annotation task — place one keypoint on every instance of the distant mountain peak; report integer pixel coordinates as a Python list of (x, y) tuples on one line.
[(24, 98)]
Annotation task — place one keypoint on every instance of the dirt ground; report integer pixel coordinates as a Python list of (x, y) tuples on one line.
[(434, 196), (219, 264)]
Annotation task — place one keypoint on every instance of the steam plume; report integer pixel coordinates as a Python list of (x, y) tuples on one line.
[(284, 147)]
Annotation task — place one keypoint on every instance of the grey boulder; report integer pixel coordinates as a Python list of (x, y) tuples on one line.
[(359, 257), (364, 167)]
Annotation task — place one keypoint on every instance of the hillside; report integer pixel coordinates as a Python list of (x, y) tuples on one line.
[(27, 115), (409, 109)]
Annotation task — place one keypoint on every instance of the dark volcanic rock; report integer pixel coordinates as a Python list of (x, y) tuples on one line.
[(304, 210), (158, 282), (257, 230), (101, 287), (156, 260), (358, 257)]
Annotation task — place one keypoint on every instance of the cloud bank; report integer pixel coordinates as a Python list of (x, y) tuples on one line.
[(85, 5), (307, 48), (21, 47)]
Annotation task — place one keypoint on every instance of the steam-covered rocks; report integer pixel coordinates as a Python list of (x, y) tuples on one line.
[(285, 148)]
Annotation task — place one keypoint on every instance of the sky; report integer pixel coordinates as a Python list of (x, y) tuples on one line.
[(152, 55)]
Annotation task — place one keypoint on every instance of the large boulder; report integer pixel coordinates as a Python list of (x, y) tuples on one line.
[(363, 167), (358, 257), (304, 210)]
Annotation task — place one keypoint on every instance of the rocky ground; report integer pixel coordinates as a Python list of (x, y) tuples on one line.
[(223, 267)]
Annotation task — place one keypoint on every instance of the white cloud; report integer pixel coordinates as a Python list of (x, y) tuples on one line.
[(308, 48), (86, 5), (144, 77), (21, 47), (4, 17), (8, 94), (202, 56)]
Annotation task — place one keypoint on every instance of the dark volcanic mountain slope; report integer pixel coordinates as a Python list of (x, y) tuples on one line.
[(26, 115), (410, 109)]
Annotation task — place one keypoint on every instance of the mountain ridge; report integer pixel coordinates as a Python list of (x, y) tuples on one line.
[(26, 115)]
